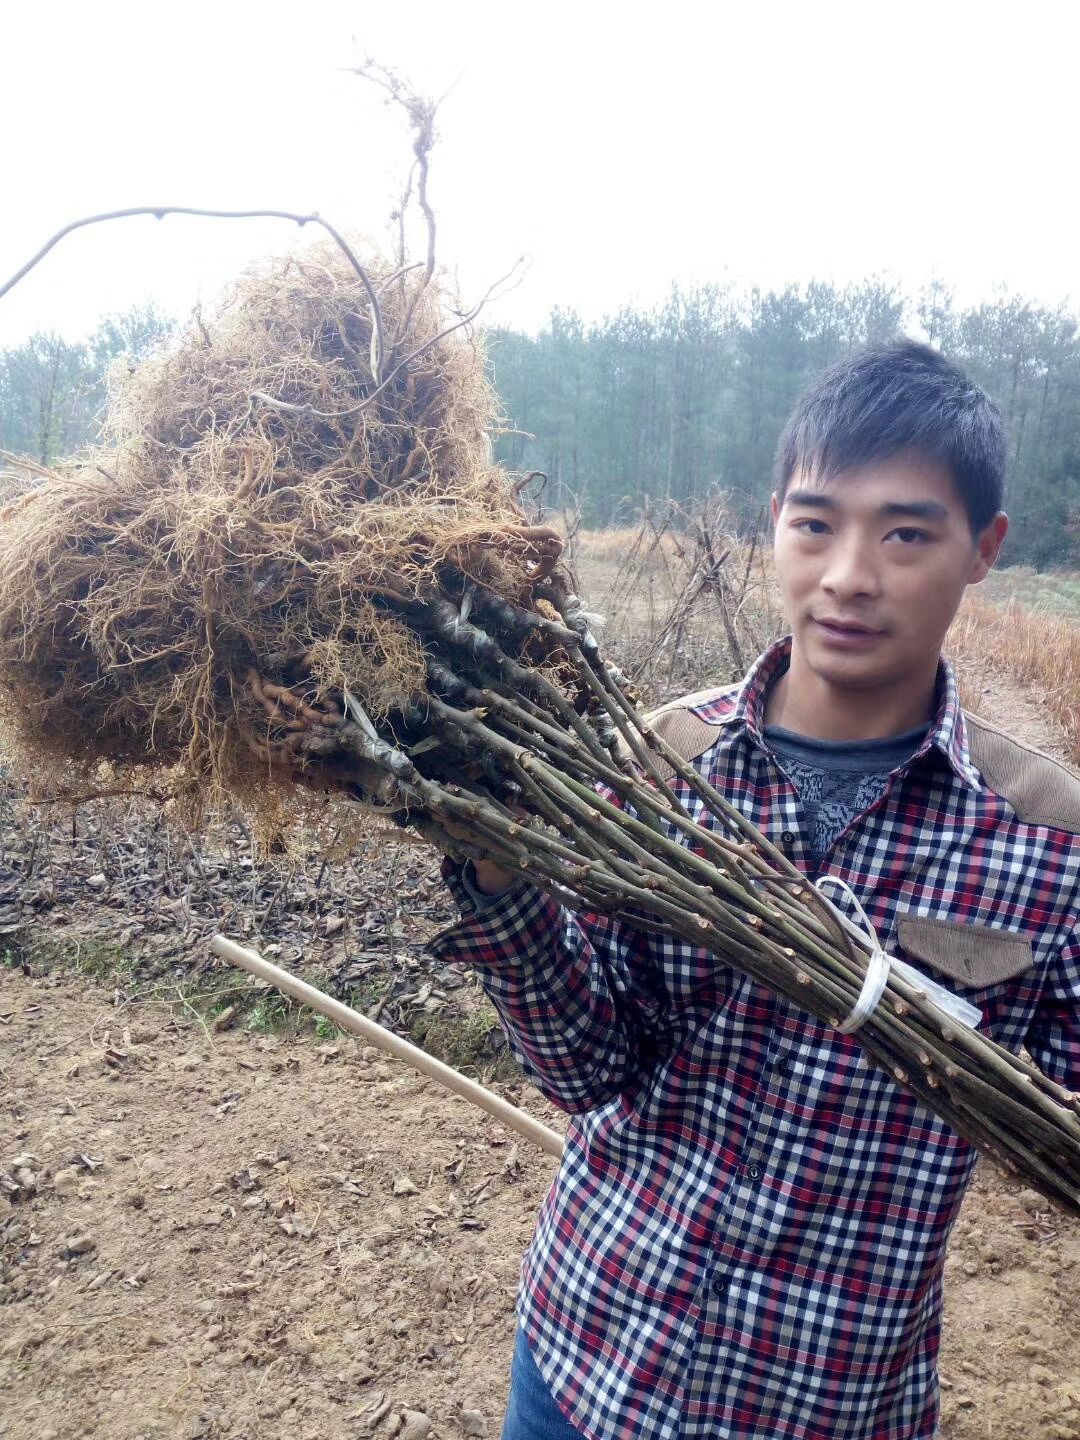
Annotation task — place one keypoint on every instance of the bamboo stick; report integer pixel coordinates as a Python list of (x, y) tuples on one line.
[(349, 1019)]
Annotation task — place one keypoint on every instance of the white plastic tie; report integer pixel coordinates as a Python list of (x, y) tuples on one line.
[(877, 967), (880, 966)]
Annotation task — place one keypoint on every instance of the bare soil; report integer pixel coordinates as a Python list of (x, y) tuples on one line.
[(232, 1234), (218, 1233)]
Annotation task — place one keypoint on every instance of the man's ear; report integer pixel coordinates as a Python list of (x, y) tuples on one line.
[(988, 547), (774, 507)]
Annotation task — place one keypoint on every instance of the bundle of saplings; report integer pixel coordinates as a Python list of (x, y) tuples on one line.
[(296, 564)]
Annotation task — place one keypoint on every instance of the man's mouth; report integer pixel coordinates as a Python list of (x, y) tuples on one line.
[(848, 626), (851, 631)]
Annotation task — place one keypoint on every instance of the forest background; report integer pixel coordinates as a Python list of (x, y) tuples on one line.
[(676, 401)]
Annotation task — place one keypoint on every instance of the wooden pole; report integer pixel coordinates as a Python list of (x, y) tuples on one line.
[(350, 1019)]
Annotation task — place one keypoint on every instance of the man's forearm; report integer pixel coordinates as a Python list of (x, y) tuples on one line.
[(578, 1020)]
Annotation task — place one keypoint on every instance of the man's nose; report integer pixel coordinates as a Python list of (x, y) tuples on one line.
[(850, 572)]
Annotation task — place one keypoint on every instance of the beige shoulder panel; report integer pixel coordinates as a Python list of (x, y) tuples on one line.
[(687, 735), (1040, 789)]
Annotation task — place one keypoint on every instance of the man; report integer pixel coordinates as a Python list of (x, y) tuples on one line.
[(746, 1236)]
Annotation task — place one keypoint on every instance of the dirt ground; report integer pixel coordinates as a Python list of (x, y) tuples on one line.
[(227, 1234), (218, 1233)]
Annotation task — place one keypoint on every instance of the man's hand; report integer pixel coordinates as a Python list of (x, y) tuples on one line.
[(492, 879)]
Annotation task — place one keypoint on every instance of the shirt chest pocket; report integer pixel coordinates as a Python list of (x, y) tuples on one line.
[(973, 957)]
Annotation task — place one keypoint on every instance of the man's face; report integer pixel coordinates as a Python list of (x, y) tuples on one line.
[(872, 567)]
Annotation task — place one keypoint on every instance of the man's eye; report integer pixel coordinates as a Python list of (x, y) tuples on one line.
[(804, 525), (908, 535)]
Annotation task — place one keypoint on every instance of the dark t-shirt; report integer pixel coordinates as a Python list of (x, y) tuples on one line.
[(837, 779)]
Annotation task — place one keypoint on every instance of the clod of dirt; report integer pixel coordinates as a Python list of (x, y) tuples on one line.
[(440, 1285), (238, 1287), (414, 1425), (297, 1227), (374, 1412), (78, 1245), (403, 1185), (224, 1018), (21, 1181), (1031, 1202), (191, 1061), (473, 1424), (133, 1281), (66, 1182), (362, 1370)]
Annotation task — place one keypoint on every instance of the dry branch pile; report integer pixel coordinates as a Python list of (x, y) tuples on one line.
[(715, 578), (297, 561)]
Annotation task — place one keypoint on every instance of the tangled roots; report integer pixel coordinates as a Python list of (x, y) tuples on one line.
[(212, 582)]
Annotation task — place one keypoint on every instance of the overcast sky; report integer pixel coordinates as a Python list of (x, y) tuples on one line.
[(620, 147)]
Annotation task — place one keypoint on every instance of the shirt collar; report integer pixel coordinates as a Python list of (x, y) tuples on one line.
[(947, 734)]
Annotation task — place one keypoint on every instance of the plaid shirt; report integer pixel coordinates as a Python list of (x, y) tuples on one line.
[(746, 1235)]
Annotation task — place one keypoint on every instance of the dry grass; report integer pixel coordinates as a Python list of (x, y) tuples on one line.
[(686, 601), (611, 547), (16, 479), (1054, 592), (1040, 651)]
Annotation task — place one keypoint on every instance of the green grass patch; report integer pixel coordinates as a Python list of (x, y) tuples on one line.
[(325, 1029), (472, 1043), (98, 960), (12, 954), (1055, 592)]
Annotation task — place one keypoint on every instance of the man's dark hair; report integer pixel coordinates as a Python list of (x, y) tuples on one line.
[(897, 398)]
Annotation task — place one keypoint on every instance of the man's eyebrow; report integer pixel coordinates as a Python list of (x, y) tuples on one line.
[(909, 509), (917, 509), (812, 499)]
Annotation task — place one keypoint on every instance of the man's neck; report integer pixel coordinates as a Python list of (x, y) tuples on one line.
[(806, 704)]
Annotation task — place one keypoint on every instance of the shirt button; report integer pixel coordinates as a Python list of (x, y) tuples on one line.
[(781, 1064), (719, 1285), (788, 837), (753, 1172)]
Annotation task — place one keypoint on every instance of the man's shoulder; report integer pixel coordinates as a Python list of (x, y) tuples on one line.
[(1039, 788), (690, 724)]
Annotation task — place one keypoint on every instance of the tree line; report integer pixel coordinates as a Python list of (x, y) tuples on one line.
[(674, 401), (52, 390)]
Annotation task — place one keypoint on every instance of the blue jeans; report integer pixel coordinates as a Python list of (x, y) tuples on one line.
[(531, 1413)]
